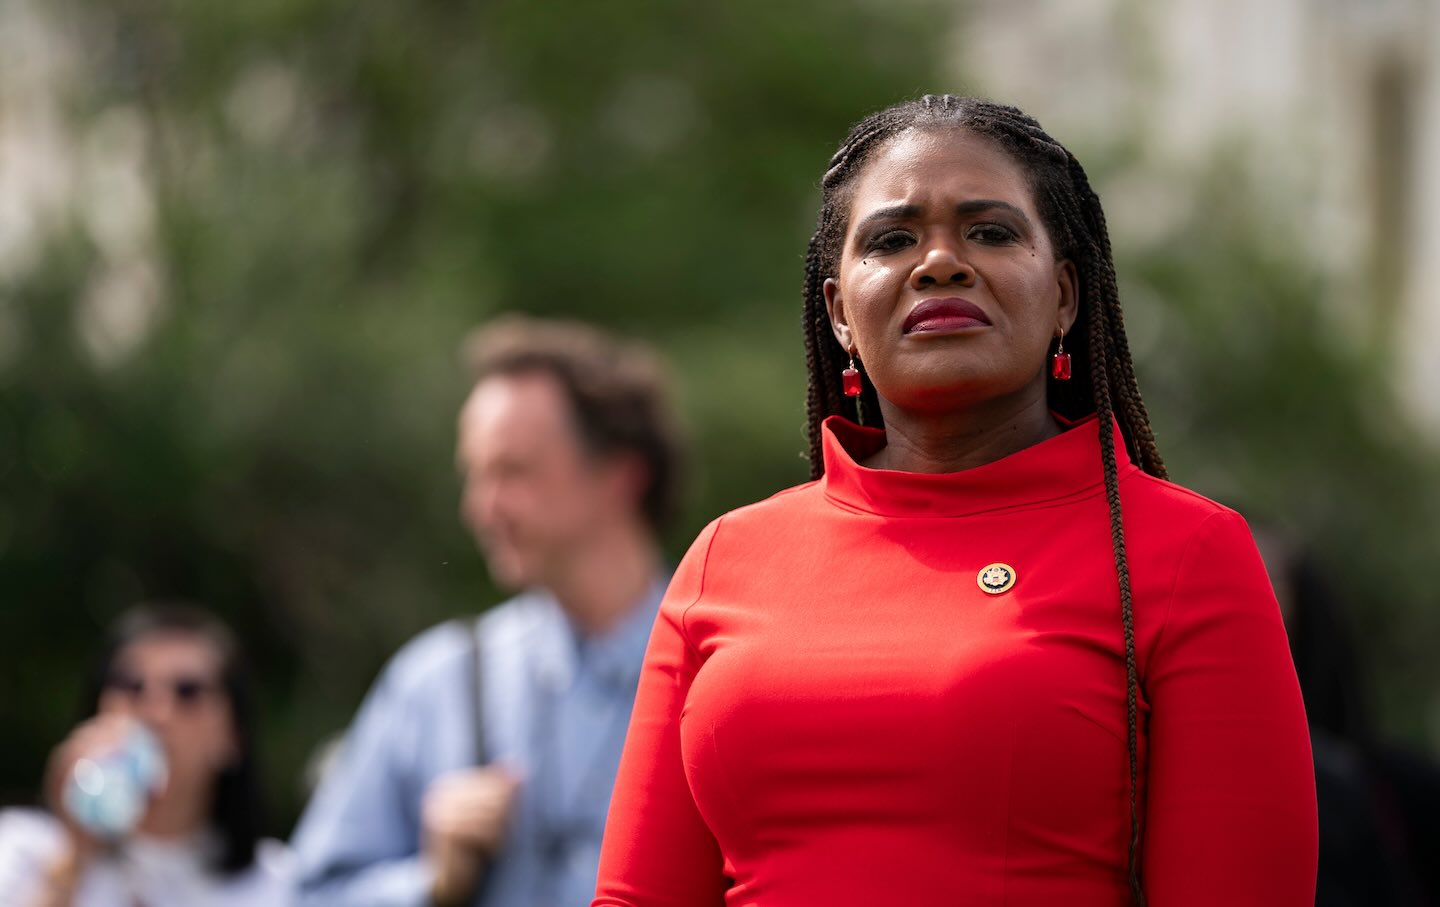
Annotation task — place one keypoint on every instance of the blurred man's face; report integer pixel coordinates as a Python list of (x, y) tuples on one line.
[(532, 493)]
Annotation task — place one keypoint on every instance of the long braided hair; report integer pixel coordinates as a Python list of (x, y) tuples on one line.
[(1104, 377)]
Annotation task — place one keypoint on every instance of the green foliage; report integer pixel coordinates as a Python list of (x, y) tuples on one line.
[(343, 190), (1264, 397)]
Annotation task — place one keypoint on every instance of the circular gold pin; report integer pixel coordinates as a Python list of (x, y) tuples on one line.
[(996, 578)]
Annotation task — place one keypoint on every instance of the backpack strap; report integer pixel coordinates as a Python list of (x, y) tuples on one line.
[(477, 692)]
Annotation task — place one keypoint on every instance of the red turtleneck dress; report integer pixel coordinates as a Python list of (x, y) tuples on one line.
[(833, 712)]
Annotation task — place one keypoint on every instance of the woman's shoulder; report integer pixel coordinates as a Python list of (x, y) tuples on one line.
[(273, 859), (797, 499), (25, 823), (30, 830), (752, 524), (269, 880), (1176, 509), (30, 840)]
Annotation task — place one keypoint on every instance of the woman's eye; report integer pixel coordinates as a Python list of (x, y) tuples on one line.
[(890, 240), (993, 234)]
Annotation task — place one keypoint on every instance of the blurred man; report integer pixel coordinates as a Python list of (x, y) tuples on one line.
[(479, 768)]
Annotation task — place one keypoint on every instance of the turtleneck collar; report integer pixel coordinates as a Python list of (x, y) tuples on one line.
[(1066, 465)]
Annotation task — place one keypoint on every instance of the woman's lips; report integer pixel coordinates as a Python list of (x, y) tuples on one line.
[(943, 315)]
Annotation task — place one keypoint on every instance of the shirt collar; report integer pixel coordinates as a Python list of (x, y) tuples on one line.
[(613, 657), (1066, 465), (617, 654)]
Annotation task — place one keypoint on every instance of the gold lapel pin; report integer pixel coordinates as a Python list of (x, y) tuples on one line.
[(996, 578)]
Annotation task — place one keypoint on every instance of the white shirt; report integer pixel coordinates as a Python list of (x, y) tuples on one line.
[(146, 871)]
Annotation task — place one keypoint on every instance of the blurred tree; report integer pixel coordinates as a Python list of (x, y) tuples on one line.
[(319, 198), (1264, 399)]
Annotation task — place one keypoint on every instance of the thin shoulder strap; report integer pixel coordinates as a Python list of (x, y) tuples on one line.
[(477, 690)]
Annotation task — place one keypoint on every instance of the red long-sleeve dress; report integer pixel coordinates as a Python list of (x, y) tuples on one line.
[(834, 712)]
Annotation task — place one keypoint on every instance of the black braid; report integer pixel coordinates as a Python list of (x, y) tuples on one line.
[(1098, 331), (1103, 380)]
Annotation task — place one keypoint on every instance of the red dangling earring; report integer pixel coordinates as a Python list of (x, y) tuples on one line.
[(850, 378), (1060, 362)]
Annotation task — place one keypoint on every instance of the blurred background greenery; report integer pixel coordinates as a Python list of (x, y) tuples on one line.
[(240, 244)]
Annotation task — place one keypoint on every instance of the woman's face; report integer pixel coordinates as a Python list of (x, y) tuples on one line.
[(171, 682), (949, 289)]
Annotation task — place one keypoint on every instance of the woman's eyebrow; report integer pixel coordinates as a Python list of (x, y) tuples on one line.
[(963, 209), (893, 212), (981, 205)]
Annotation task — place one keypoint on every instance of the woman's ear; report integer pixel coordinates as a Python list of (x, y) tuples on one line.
[(626, 477), (835, 306), (1067, 281)]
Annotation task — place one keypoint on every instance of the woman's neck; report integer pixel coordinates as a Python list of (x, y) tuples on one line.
[(959, 439)]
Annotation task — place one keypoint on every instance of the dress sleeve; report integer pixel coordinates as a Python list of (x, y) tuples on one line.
[(658, 851), (1230, 815)]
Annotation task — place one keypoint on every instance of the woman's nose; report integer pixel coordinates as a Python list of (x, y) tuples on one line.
[(156, 707), (942, 265)]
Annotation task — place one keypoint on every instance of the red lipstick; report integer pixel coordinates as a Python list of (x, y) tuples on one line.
[(943, 316)]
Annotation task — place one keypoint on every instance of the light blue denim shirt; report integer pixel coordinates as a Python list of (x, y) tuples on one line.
[(556, 709)]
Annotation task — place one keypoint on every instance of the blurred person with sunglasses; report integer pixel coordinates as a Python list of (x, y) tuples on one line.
[(173, 677)]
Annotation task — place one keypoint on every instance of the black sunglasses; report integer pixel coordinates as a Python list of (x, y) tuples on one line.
[(187, 690)]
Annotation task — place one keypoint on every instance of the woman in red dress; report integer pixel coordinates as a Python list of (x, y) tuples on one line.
[(989, 655)]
